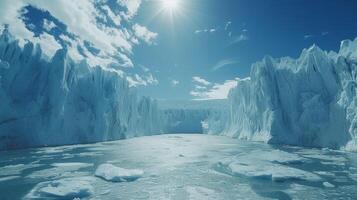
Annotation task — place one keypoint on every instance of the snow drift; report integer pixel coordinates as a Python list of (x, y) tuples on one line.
[(57, 101), (308, 101)]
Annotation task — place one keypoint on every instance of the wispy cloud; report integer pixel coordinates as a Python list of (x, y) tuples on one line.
[(48, 25), (224, 63), (144, 34), (201, 81), (240, 38), (308, 36), (175, 82), (211, 30), (137, 80), (324, 33), (215, 91)]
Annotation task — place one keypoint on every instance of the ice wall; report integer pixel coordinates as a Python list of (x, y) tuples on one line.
[(57, 101), (308, 101)]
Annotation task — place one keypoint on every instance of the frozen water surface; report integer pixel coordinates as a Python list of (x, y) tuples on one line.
[(178, 167), (112, 173)]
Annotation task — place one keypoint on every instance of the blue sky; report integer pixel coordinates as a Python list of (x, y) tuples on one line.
[(195, 51)]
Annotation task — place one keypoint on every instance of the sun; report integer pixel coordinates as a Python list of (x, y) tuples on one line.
[(170, 5)]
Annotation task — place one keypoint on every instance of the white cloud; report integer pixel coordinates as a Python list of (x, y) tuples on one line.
[(48, 44), (211, 30), (199, 87), (80, 17), (144, 34), (307, 36), (151, 80), (216, 91), (10, 15), (199, 80), (145, 69), (223, 63), (115, 18), (132, 7), (175, 82), (48, 25), (240, 38), (137, 80), (324, 33)]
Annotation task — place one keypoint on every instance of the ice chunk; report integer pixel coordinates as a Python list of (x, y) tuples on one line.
[(325, 173), (8, 178), (72, 165), (324, 157), (274, 156), (67, 188), (112, 173), (329, 185), (268, 165), (275, 172)]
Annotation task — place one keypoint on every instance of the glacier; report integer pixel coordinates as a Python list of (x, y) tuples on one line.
[(55, 101), (309, 101)]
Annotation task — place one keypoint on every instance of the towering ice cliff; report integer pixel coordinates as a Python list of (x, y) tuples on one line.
[(309, 101), (57, 101)]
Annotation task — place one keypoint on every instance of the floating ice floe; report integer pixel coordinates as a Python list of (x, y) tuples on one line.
[(67, 188), (8, 178), (274, 156), (325, 157), (73, 164), (16, 169), (112, 173), (275, 172), (325, 173), (269, 165), (327, 184)]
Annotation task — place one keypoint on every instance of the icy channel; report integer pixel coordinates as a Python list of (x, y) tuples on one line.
[(177, 167)]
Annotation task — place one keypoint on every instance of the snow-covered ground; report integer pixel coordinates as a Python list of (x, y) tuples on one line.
[(178, 167)]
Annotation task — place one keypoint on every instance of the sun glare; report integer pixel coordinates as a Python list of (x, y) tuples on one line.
[(170, 5)]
